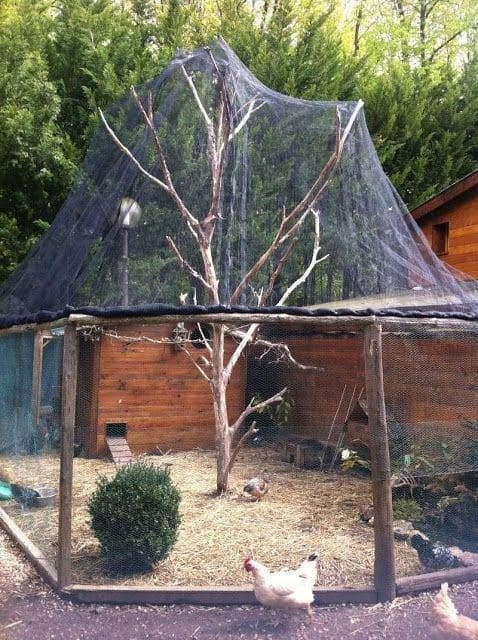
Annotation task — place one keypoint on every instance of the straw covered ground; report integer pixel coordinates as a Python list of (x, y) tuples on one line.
[(304, 511)]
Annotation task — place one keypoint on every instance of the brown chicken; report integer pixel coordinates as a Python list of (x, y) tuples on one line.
[(5, 476), (258, 487), (448, 624), (366, 513)]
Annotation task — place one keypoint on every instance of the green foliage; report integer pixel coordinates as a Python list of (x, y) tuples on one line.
[(60, 61), (135, 515), (279, 412), (350, 460), (408, 509)]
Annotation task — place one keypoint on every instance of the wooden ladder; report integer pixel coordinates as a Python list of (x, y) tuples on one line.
[(120, 451)]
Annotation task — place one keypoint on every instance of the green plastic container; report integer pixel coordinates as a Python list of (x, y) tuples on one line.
[(5, 491)]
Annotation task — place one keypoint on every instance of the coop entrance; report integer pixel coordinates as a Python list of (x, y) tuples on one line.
[(116, 429)]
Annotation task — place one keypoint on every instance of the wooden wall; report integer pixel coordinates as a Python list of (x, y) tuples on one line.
[(462, 216), (430, 383), (156, 390)]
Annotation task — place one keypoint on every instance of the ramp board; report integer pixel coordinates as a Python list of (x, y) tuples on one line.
[(120, 451)]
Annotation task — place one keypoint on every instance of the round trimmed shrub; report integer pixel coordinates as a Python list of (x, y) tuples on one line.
[(135, 516)]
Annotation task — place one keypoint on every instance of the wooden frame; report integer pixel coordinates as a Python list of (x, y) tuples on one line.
[(385, 588), (33, 554), (68, 409), (384, 560), (37, 375)]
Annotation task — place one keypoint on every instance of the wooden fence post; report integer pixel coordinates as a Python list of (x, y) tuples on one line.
[(36, 376), (68, 406), (384, 562)]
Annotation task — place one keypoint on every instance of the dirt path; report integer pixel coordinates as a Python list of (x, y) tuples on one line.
[(30, 611)]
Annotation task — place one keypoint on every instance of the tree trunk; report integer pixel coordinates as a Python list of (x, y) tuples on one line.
[(219, 388)]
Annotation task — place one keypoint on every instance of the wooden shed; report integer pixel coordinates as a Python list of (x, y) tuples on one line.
[(449, 221), (430, 380), (133, 385)]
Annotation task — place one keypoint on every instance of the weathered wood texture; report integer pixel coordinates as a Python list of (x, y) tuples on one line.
[(153, 388), (430, 382), (212, 596), (462, 215), (120, 451), (87, 394), (37, 375), (433, 580), (68, 407), (384, 560), (32, 552)]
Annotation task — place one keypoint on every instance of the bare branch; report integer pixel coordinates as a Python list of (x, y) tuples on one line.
[(192, 221), (195, 93), (301, 209), (312, 264), (244, 120), (245, 340), (128, 153), (280, 266), (195, 363), (281, 236), (211, 134), (277, 397), (250, 432), (325, 175), (186, 265), (205, 340), (286, 353)]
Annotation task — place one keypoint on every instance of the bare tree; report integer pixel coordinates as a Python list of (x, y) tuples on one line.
[(223, 124)]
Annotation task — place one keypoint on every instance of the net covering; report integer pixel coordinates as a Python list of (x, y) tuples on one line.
[(267, 187)]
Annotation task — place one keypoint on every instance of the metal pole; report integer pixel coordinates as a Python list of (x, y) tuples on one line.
[(124, 268)]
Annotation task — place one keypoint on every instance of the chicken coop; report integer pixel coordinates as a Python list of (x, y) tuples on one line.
[(229, 261), (142, 387)]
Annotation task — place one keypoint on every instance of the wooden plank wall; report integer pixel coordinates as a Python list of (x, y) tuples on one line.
[(462, 216), (429, 382), (158, 392)]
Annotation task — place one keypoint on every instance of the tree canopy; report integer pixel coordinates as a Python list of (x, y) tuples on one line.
[(414, 63)]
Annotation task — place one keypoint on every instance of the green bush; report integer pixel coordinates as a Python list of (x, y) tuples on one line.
[(408, 509), (135, 516)]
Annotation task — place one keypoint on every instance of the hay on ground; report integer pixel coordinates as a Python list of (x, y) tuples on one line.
[(305, 510)]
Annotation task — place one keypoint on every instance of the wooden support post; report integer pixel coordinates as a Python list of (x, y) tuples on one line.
[(68, 405), (384, 563), (36, 376)]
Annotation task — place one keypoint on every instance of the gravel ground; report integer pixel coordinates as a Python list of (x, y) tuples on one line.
[(30, 611)]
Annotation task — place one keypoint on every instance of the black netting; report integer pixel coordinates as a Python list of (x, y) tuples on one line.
[(293, 173), (279, 155)]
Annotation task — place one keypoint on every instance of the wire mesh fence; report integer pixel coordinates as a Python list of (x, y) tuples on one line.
[(30, 434), (137, 386)]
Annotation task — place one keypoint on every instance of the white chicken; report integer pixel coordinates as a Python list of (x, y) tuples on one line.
[(286, 588)]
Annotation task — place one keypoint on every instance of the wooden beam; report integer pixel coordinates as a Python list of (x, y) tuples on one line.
[(333, 323), (209, 596), (36, 376), (426, 581), (384, 562), (34, 555), (324, 323), (34, 326), (68, 406)]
